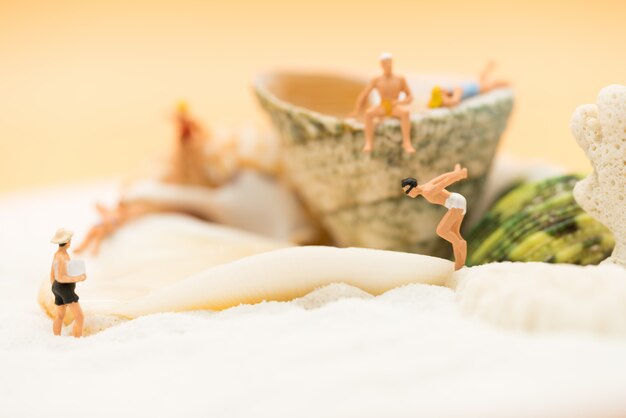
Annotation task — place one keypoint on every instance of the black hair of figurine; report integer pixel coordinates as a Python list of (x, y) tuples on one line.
[(62, 245), (411, 182)]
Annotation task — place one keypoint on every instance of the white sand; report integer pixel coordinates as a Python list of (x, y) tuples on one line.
[(407, 353), (541, 297)]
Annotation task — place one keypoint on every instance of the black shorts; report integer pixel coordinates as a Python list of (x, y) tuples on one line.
[(64, 293)]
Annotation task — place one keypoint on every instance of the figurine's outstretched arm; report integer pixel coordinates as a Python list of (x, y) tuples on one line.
[(440, 178), (446, 179), (408, 96), (455, 175), (360, 101)]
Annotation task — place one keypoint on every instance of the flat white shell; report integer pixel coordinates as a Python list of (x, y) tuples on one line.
[(173, 263)]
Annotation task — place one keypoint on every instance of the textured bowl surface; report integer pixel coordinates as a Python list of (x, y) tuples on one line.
[(357, 197)]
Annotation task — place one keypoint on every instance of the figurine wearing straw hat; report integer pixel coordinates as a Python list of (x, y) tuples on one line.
[(64, 275)]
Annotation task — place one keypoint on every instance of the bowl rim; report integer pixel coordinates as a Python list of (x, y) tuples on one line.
[(260, 87)]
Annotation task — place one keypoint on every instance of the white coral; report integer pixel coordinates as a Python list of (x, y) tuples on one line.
[(600, 130)]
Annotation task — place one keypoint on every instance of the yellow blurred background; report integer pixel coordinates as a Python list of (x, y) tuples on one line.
[(86, 87)]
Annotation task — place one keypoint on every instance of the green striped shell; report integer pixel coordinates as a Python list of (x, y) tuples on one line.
[(539, 221)]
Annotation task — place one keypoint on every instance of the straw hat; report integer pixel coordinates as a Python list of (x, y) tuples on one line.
[(62, 236)]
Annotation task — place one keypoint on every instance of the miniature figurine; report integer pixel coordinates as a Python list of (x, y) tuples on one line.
[(196, 167), (450, 226), (64, 275), (110, 219), (390, 87), (197, 158), (187, 163), (600, 130), (450, 97)]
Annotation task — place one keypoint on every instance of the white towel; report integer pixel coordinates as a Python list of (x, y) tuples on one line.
[(75, 268)]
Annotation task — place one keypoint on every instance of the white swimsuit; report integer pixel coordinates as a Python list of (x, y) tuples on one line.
[(456, 201)]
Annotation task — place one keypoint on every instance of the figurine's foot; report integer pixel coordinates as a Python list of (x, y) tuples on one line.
[(458, 265), (408, 148), (367, 148)]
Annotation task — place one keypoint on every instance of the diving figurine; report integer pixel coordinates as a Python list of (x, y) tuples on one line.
[(434, 191)]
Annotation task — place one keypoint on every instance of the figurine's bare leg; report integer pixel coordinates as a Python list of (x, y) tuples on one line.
[(94, 238), (77, 329), (450, 100), (486, 72), (486, 83), (462, 243), (486, 86), (57, 324), (404, 115), (90, 236), (97, 241), (446, 230), (370, 126)]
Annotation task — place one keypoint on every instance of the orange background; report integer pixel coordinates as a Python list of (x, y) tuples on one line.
[(86, 86)]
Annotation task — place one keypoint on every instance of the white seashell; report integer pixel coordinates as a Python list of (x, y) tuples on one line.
[(165, 263), (153, 252), (286, 274)]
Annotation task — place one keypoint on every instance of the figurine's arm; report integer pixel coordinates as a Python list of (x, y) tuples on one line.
[(408, 96), (440, 178), (444, 176), (449, 178), (441, 184), (360, 101)]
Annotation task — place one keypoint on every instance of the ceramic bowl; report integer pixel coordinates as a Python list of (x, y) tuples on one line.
[(357, 197)]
